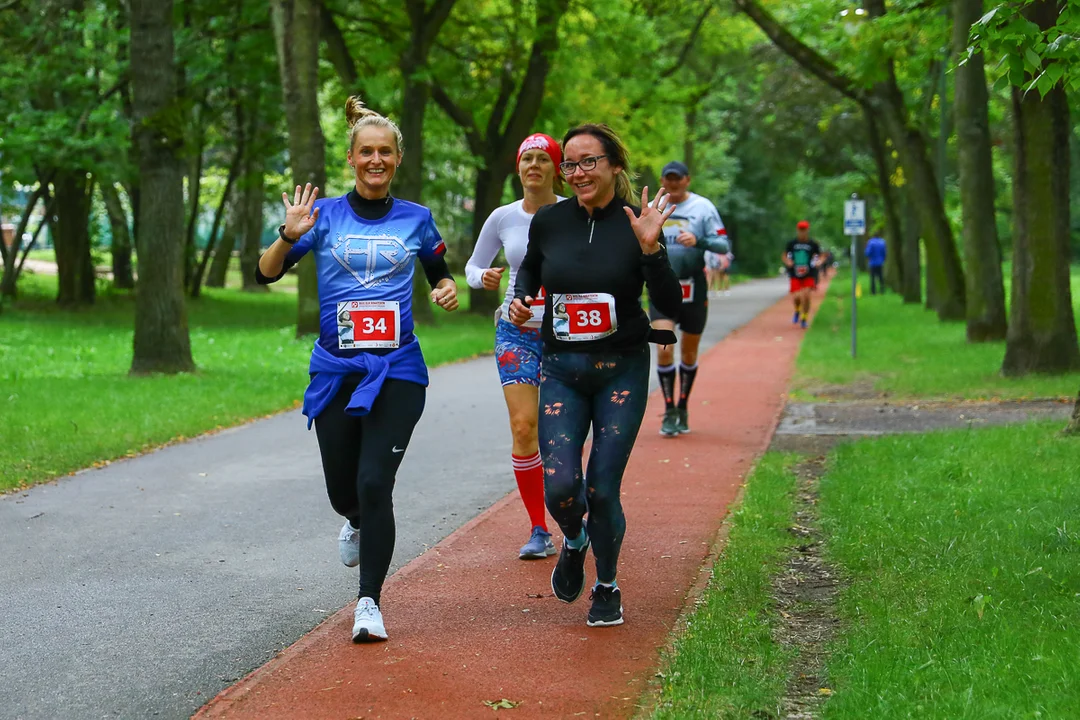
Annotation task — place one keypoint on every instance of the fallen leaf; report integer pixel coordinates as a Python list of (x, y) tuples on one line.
[(502, 704)]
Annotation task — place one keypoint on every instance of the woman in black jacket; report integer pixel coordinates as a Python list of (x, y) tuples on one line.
[(592, 254)]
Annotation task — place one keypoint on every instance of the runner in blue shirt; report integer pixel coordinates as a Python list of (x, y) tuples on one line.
[(368, 377)]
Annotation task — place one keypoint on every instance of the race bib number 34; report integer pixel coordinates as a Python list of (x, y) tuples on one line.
[(365, 324), (577, 317)]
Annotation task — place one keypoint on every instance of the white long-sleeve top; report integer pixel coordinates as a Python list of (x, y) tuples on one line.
[(507, 228)]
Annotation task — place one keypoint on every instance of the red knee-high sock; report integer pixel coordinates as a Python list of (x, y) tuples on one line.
[(529, 473)]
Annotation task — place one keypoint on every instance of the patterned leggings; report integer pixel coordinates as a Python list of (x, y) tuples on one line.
[(607, 392)]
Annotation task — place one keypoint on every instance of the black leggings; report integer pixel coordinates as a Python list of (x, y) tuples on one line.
[(607, 392), (360, 457)]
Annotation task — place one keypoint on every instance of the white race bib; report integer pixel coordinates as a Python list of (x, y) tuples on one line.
[(687, 290), (537, 306), (576, 317), (365, 324)]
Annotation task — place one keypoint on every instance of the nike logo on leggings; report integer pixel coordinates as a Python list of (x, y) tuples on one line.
[(396, 449)]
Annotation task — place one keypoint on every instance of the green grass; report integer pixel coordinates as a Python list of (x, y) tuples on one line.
[(961, 551), (905, 352), (68, 402), (726, 663)]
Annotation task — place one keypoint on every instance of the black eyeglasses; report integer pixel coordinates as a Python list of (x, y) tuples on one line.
[(585, 163)]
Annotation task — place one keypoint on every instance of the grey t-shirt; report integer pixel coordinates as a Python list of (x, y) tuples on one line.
[(699, 217)]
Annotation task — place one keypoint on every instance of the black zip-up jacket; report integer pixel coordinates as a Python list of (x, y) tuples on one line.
[(571, 252)]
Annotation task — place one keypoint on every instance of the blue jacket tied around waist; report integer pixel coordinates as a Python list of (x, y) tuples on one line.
[(328, 371)]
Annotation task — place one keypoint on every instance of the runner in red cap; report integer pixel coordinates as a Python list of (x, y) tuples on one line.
[(518, 349), (801, 259)]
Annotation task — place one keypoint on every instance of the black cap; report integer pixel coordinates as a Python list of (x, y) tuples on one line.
[(675, 168)]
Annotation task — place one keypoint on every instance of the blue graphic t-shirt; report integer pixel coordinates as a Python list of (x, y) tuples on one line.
[(365, 271)]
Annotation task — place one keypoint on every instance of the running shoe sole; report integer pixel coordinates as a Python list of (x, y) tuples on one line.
[(365, 637), (548, 552), (606, 623), (580, 589)]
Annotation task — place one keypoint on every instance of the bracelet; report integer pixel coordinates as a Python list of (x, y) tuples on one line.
[(281, 234)]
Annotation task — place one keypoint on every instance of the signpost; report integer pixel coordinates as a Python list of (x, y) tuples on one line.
[(854, 225)]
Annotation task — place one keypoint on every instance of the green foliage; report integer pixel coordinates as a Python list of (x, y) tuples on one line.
[(1034, 58)]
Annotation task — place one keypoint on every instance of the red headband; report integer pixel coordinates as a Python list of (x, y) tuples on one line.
[(540, 141)]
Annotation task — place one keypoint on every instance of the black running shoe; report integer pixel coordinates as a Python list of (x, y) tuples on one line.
[(606, 607), (568, 577)]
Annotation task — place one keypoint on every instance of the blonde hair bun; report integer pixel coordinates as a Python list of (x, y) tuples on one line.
[(355, 110)]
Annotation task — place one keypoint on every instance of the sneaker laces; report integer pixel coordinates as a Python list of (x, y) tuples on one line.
[(366, 610)]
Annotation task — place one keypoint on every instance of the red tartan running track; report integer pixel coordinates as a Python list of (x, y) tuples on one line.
[(470, 623)]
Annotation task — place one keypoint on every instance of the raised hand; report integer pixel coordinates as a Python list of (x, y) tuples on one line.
[(299, 216), (491, 278), (650, 224)]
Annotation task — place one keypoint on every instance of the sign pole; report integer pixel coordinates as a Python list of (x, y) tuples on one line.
[(854, 225)]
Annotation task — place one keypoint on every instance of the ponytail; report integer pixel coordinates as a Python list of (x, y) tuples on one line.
[(358, 116)]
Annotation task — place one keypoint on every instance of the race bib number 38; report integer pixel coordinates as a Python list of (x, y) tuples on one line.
[(577, 317), (365, 324)]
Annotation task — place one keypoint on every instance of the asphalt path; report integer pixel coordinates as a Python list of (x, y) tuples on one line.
[(144, 588)]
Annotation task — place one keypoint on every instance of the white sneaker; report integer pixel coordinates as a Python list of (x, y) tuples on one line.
[(348, 545), (367, 622)]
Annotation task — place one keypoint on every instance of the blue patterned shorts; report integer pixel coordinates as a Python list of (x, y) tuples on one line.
[(518, 351)]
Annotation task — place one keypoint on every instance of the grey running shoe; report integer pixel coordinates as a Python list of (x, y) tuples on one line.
[(568, 577), (539, 545), (670, 426), (680, 423), (606, 607), (348, 545), (367, 622)]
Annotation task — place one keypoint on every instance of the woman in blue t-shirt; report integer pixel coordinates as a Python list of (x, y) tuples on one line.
[(368, 377)]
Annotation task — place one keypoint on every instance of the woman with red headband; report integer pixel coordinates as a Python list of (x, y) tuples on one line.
[(518, 349)]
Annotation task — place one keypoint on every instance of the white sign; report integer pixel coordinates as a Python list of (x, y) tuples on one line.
[(855, 217)]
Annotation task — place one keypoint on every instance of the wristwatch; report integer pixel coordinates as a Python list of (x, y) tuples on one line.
[(281, 234)]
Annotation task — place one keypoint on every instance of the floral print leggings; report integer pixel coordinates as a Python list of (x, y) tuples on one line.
[(606, 392)]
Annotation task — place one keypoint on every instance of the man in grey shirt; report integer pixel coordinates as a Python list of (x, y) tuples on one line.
[(692, 229)]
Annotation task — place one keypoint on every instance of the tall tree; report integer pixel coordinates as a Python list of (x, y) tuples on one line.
[(986, 318), (886, 100), (296, 33), (162, 343), (1033, 37), (506, 125)]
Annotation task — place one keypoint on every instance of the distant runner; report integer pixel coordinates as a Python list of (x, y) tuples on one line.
[(693, 229), (801, 257)]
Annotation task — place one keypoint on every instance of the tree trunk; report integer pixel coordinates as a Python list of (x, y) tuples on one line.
[(1042, 328), (211, 240), (894, 232), (409, 181), (911, 253), (250, 220), (8, 282), (74, 263), (296, 32), (162, 343), (121, 237), (943, 268), (194, 186), (986, 318), (219, 266)]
